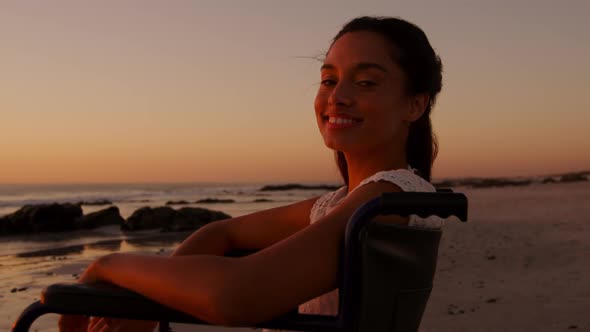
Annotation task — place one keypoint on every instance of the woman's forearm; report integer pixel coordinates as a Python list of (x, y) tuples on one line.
[(193, 284), (210, 239)]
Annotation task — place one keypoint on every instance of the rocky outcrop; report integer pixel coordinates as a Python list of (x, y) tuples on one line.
[(182, 202), (214, 200), (482, 183), (98, 202), (262, 200), (193, 218), (148, 218), (573, 177), (292, 186), (41, 218), (108, 216), (168, 219), (67, 217)]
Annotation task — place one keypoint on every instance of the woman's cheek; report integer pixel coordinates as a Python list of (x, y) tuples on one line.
[(320, 102)]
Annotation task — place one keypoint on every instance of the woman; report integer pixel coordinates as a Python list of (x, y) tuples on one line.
[(379, 81)]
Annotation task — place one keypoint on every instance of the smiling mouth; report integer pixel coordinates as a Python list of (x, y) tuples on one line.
[(341, 121)]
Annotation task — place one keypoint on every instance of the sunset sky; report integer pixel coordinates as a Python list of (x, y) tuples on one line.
[(191, 91)]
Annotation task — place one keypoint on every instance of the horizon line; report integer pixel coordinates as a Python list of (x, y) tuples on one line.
[(262, 182)]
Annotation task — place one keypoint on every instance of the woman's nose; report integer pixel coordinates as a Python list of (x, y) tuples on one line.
[(341, 94)]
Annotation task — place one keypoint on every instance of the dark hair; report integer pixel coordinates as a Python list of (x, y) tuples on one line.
[(423, 70)]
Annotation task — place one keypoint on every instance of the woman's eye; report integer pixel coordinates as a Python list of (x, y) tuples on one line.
[(366, 83), (328, 82)]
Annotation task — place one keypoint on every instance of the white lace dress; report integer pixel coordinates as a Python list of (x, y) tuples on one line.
[(407, 180)]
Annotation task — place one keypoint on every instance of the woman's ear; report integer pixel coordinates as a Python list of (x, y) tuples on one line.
[(418, 104)]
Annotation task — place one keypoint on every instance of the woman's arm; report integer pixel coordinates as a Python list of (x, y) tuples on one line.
[(253, 231), (248, 290)]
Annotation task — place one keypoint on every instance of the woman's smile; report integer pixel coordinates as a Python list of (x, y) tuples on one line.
[(341, 121)]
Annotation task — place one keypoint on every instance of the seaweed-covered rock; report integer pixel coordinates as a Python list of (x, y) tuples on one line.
[(573, 177), (95, 203), (108, 216), (486, 183), (168, 219), (262, 200), (190, 218), (181, 202), (214, 200), (40, 218), (148, 218), (292, 186)]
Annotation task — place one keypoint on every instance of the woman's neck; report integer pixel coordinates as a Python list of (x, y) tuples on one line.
[(363, 165)]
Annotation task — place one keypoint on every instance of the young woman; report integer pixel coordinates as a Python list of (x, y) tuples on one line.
[(379, 81)]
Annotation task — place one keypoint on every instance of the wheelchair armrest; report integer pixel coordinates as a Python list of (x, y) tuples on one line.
[(105, 300)]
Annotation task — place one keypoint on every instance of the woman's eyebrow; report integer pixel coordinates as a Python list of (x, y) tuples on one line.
[(327, 66), (358, 67), (370, 65)]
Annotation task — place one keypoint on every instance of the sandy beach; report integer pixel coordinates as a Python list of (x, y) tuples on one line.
[(520, 264)]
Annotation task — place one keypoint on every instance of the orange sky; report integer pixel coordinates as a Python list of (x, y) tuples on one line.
[(223, 90)]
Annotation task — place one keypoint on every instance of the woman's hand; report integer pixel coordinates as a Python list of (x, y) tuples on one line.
[(78, 323), (98, 324), (73, 323), (81, 323)]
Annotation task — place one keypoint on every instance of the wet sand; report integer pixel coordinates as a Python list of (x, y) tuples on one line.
[(520, 264)]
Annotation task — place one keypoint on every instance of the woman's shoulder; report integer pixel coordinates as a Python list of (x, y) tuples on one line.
[(326, 201), (406, 179)]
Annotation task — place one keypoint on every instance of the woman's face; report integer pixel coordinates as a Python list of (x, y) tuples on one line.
[(361, 105)]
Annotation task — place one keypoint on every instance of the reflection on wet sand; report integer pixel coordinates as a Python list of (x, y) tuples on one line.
[(114, 245), (162, 239), (63, 251)]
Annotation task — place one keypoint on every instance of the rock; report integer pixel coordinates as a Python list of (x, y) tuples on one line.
[(96, 203), (108, 216), (486, 183), (454, 310), (445, 184), (40, 218), (177, 203), (189, 218), (573, 177), (14, 290), (262, 200), (170, 220), (215, 200), (292, 186), (148, 218)]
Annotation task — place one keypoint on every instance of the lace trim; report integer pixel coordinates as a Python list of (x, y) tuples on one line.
[(409, 182), (406, 179), (321, 205)]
